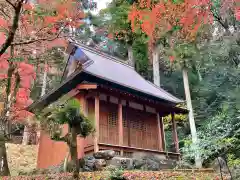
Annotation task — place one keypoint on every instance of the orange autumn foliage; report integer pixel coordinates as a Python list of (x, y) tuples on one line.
[(181, 18), (40, 27), (158, 19)]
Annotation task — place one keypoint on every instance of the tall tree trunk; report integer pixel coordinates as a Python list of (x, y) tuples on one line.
[(26, 136), (43, 92), (4, 169), (198, 161), (156, 73), (44, 81), (131, 60), (65, 164), (74, 153), (4, 121), (27, 133)]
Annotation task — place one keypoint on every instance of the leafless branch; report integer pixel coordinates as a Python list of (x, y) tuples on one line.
[(17, 129), (41, 29), (13, 28), (220, 20), (40, 39), (4, 13), (9, 2)]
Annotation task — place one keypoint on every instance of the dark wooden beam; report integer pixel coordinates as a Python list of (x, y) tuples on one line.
[(97, 113), (160, 139), (120, 124), (174, 131), (163, 108), (128, 126)]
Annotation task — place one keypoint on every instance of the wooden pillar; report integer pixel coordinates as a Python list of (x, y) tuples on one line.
[(120, 125), (96, 136), (163, 133), (83, 103), (175, 136), (160, 139), (128, 126)]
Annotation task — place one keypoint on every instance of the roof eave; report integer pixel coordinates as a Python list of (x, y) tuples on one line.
[(63, 88), (76, 78)]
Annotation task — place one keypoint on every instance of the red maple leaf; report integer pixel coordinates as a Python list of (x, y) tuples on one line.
[(237, 13)]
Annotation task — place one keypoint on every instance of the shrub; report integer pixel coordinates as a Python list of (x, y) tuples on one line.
[(116, 174)]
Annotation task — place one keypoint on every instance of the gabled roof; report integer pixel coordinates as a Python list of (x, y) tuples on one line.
[(106, 70), (113, 70)]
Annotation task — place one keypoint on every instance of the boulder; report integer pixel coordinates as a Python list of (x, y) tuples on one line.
[(99, 164), (151, 165), (87, 163), (152, 162), (121, 162), (138, 163), (106, 154)]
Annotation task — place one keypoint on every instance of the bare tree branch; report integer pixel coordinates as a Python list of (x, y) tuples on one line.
[(9, 2), (13, 29), (220, 21), (40, 39), (4, 13), (17, 129)]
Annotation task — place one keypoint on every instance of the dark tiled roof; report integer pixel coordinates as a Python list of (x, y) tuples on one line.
[(107, 70), (113, 70)]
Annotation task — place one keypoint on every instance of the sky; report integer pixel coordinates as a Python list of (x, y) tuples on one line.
[(101, 4)]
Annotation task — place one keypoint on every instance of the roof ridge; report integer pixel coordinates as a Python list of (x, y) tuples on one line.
[(103, 54)]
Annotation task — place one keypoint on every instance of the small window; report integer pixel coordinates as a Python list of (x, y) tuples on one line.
[(112, 118), (125, 123), (127, 154), (136, 123), (117, 153)]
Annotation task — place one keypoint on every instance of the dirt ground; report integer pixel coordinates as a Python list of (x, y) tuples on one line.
[(21, 158)]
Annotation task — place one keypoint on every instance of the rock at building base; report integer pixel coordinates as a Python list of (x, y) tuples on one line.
[(87, 163), (121, 162), (106, 154), (152, 162), (99, 164)]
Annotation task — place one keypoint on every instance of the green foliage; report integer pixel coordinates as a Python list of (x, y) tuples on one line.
[(116, 16), (215, 87), (55, 59), (233, 161), (140, 53), (70, 114), (216, 137), (117, 174)]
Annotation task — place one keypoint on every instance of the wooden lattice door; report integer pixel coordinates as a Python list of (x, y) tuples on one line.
[(140, 129), (108, 123)]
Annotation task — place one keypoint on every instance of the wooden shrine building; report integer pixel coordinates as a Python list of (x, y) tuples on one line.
[(126, 108)]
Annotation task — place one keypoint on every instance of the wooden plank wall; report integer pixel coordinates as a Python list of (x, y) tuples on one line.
[(143, 127)]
